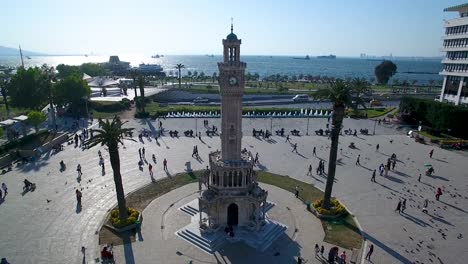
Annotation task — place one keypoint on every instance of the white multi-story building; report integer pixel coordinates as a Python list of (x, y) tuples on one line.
[(455, 62)]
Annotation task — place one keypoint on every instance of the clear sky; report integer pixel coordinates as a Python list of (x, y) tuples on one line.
[(267, 27)]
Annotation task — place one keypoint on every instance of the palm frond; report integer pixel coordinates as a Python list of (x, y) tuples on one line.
[(110, 134)]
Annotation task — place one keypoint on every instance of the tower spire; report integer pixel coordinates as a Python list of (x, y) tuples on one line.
[(232, 27)]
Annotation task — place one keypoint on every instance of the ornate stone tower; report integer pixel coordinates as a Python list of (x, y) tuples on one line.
[(232, 200), (233, 197), (231, 87)]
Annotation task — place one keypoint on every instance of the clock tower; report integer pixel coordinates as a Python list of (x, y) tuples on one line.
[(231, 86), (232, 197)]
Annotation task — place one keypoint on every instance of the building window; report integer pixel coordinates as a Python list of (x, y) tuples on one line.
[(240, 179), (230, 179)]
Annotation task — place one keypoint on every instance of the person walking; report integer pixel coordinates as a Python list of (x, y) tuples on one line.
[(143, 151), (314, 153), (5, 188), (419, 178), (78, 197), (357, 160), (296, 191), (322, 250), (369, 252), (373, 176), (294, 148), (403, 206), (317, 250), (287, 139), (139, 152), (431, 153), (193, 152), (150, 169), (310, 170), (256, 158), (377, 147), (393, 164), (165, 164), (438, 193), (343, 257), (78, 169), (398, 207), (381, 169), (199, 136)]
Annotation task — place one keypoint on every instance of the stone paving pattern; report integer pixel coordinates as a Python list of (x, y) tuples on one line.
[(45, 226)]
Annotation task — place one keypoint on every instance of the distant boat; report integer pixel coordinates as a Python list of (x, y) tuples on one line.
[(211, 56), (157, 56), (304, 58), (331, 56), (150, 67)]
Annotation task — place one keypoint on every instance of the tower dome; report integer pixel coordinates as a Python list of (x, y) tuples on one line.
[(231, 36)]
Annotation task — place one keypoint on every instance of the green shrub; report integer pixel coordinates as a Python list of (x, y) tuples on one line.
[(140, 114), (440, 116), (17, 143), (109, 107)]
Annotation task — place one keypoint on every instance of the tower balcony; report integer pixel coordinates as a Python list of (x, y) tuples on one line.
[(232, 64)]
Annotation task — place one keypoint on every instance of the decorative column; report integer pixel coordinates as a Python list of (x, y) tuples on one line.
[(443, 89)]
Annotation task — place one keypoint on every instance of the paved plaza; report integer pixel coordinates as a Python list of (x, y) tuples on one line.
[(45, 226)]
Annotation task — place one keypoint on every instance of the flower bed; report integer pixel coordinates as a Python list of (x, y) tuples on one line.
[(132, 217), (337, 209)]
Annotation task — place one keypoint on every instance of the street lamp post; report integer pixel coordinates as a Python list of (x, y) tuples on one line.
[(271, 125)]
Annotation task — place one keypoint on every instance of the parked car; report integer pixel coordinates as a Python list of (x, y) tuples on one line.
[(374, 102)]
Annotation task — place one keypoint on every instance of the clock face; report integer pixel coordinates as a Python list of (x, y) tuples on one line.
[(233, 81)]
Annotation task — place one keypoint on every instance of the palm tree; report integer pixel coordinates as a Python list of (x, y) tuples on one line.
[(50, 72), (359, 87), (141, 84), (179, 67), (134, 75), (111, 135), (339, 93)]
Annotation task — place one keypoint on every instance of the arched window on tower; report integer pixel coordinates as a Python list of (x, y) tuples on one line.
[(230, 179), (225, 179), (239, 179), (234, 180)]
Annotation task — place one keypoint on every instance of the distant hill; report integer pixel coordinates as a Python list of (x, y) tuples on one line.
[(5, 51)]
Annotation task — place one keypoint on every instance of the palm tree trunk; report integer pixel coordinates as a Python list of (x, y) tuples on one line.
[(337, 120), (115, 163), (180, 79)]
